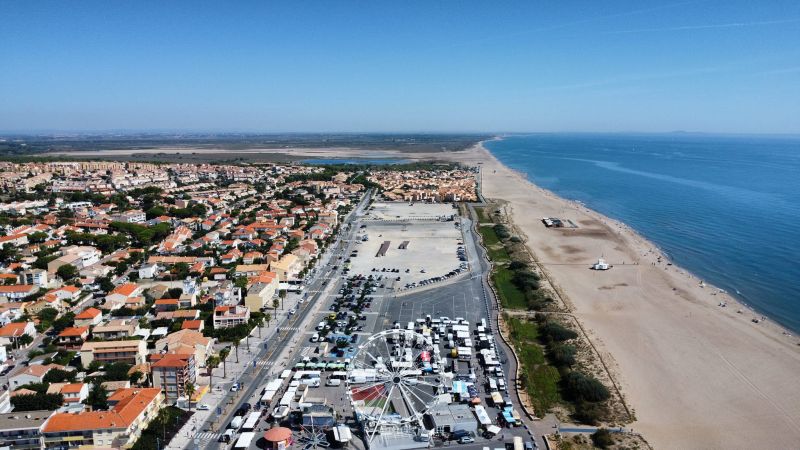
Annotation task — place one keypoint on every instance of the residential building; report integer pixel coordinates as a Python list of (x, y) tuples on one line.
[(230, 316), (131, 411), (287, 267), (14, 240), (250, 270), (72, 338), (89, 317), (31, 374), (116, 298), (23, 430), (132, 216), (17, 291), (116, 329), (12, 332), (72, 392), (171, 372), (80, 256), (131, 352), (37, 277), (149, 270), (262, 291), (187, 341)]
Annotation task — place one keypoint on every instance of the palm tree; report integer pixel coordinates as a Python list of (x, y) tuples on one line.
[(189, 389), (267, 317)]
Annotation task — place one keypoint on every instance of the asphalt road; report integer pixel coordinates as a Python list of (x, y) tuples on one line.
[(253, 379)]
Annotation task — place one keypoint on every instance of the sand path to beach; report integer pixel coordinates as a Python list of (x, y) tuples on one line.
[(697, 375)]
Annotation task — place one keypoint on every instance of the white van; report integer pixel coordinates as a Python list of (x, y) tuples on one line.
[(315, 337), (501, 384), (333, 382)]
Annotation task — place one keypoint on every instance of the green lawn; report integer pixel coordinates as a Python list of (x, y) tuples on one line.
[(510, 296), (489, 236), (481, 213), (494, 246), (539, 378)]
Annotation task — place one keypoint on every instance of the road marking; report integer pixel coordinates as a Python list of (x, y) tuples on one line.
[(207, 436)]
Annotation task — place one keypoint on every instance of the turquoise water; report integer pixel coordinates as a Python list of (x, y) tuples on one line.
[(726, 208)]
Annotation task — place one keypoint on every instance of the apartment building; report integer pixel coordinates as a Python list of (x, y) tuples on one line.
[(131, 352), (171, 372), (37, 277), (187, 341), (230, 316), (261, 291), (23, 430), (116, 329), (120, 427), (17, 291), (72, 338)]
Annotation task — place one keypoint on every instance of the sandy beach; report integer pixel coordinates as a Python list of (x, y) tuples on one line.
[(698, 375)]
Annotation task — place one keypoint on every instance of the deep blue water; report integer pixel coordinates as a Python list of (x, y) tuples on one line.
[(378, 161), (727, 208)]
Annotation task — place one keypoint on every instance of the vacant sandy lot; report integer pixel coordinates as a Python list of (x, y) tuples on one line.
[(432, 243)]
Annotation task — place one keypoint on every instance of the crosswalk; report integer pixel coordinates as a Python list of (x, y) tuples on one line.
[(305, 351), (264, 363), (281, 329), (207, 436)]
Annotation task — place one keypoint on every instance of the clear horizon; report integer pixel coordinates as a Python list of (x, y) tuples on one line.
[(252, 67)]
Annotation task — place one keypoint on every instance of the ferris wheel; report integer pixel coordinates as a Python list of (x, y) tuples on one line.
[(391, 379)]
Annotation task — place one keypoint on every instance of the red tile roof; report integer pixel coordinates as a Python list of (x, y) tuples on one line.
[(89, 313), (130, 403)]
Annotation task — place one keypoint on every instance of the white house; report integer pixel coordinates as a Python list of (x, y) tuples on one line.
[(149, 270)]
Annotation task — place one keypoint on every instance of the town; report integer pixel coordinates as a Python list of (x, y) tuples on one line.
[(186, 305)]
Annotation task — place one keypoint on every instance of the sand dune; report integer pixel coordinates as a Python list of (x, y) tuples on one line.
[(696, 374)]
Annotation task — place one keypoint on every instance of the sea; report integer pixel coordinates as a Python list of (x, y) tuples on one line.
[(727, 208)]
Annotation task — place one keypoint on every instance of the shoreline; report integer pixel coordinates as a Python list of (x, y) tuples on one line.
[(722, 294), (698, 375)]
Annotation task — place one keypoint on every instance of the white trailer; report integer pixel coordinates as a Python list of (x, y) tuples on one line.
[(251, 421), (244, 440), (483, 416)]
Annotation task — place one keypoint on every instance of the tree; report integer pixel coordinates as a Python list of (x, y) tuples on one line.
[(24, 340), (37, 402), (282, 295), (117, 371), (267, 317), (241, 283), (584, 387), (563, 354), (98, 397), (65, 321), (136, 377), (105, 284), (37, 237), (189, 388), (173, 293), (602, 438), (554, 331), (275, 304), (47, 314), (59, 376)]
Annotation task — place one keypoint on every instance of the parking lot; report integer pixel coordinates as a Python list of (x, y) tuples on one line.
[(409, 211), (407, 251)]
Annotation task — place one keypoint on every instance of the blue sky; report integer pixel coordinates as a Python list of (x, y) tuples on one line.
[(715, 66)]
